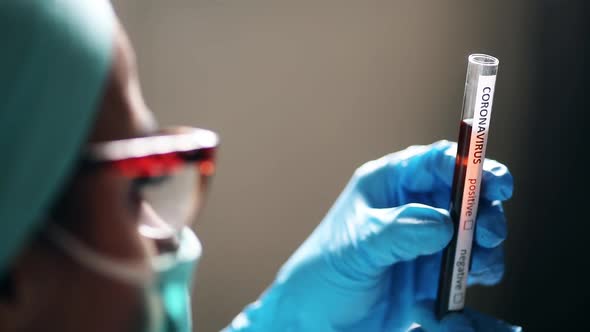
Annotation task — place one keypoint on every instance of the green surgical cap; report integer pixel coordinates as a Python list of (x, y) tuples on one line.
[(55, 56)]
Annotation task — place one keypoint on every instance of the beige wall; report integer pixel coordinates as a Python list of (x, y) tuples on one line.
[(302, 92)]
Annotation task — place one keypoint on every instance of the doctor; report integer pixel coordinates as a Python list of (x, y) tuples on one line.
[(96, 204)]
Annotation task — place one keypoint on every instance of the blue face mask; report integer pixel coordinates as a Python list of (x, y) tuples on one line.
[(165, 280)]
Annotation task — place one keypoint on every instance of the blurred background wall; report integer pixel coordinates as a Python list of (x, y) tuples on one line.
[(302, 92)]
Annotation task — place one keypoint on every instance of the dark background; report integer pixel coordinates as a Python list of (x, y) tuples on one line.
[(547, 286), (302, 92)]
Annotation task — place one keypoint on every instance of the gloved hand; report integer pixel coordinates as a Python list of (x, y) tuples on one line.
[(468, 321), (378, 250)]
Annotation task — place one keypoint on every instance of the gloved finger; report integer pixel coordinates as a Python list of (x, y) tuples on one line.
[(469, 320), (381, 181), (439, 199), (497, 182), (485, 323), (416, 328), (490, 230), (427, 272), (395, 178), (487, 267), (428, 168), (423, 314), (423, 167), (403, 233)]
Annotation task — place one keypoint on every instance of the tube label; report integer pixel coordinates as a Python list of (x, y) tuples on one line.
[(477, 150)]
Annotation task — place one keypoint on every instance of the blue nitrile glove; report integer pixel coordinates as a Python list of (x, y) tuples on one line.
[(468, 321), (377, 252)]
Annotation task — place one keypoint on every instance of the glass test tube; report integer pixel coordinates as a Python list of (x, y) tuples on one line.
[(471, 150)]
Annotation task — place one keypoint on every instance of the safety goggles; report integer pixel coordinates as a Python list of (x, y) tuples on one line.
[(169, 173)]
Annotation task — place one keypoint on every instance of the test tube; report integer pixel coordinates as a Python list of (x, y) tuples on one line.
[(473, 136)]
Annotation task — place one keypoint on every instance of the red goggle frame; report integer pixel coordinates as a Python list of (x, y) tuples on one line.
[(156, 155)]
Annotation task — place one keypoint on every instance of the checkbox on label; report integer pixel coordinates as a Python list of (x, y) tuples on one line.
[(468, 225)]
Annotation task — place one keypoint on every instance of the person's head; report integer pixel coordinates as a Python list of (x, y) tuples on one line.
[(68, 90)]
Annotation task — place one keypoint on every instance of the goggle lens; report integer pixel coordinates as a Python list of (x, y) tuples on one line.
[(169, 173), (171, 202)]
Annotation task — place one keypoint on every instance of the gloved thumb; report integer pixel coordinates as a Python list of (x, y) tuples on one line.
[(403, 233)]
